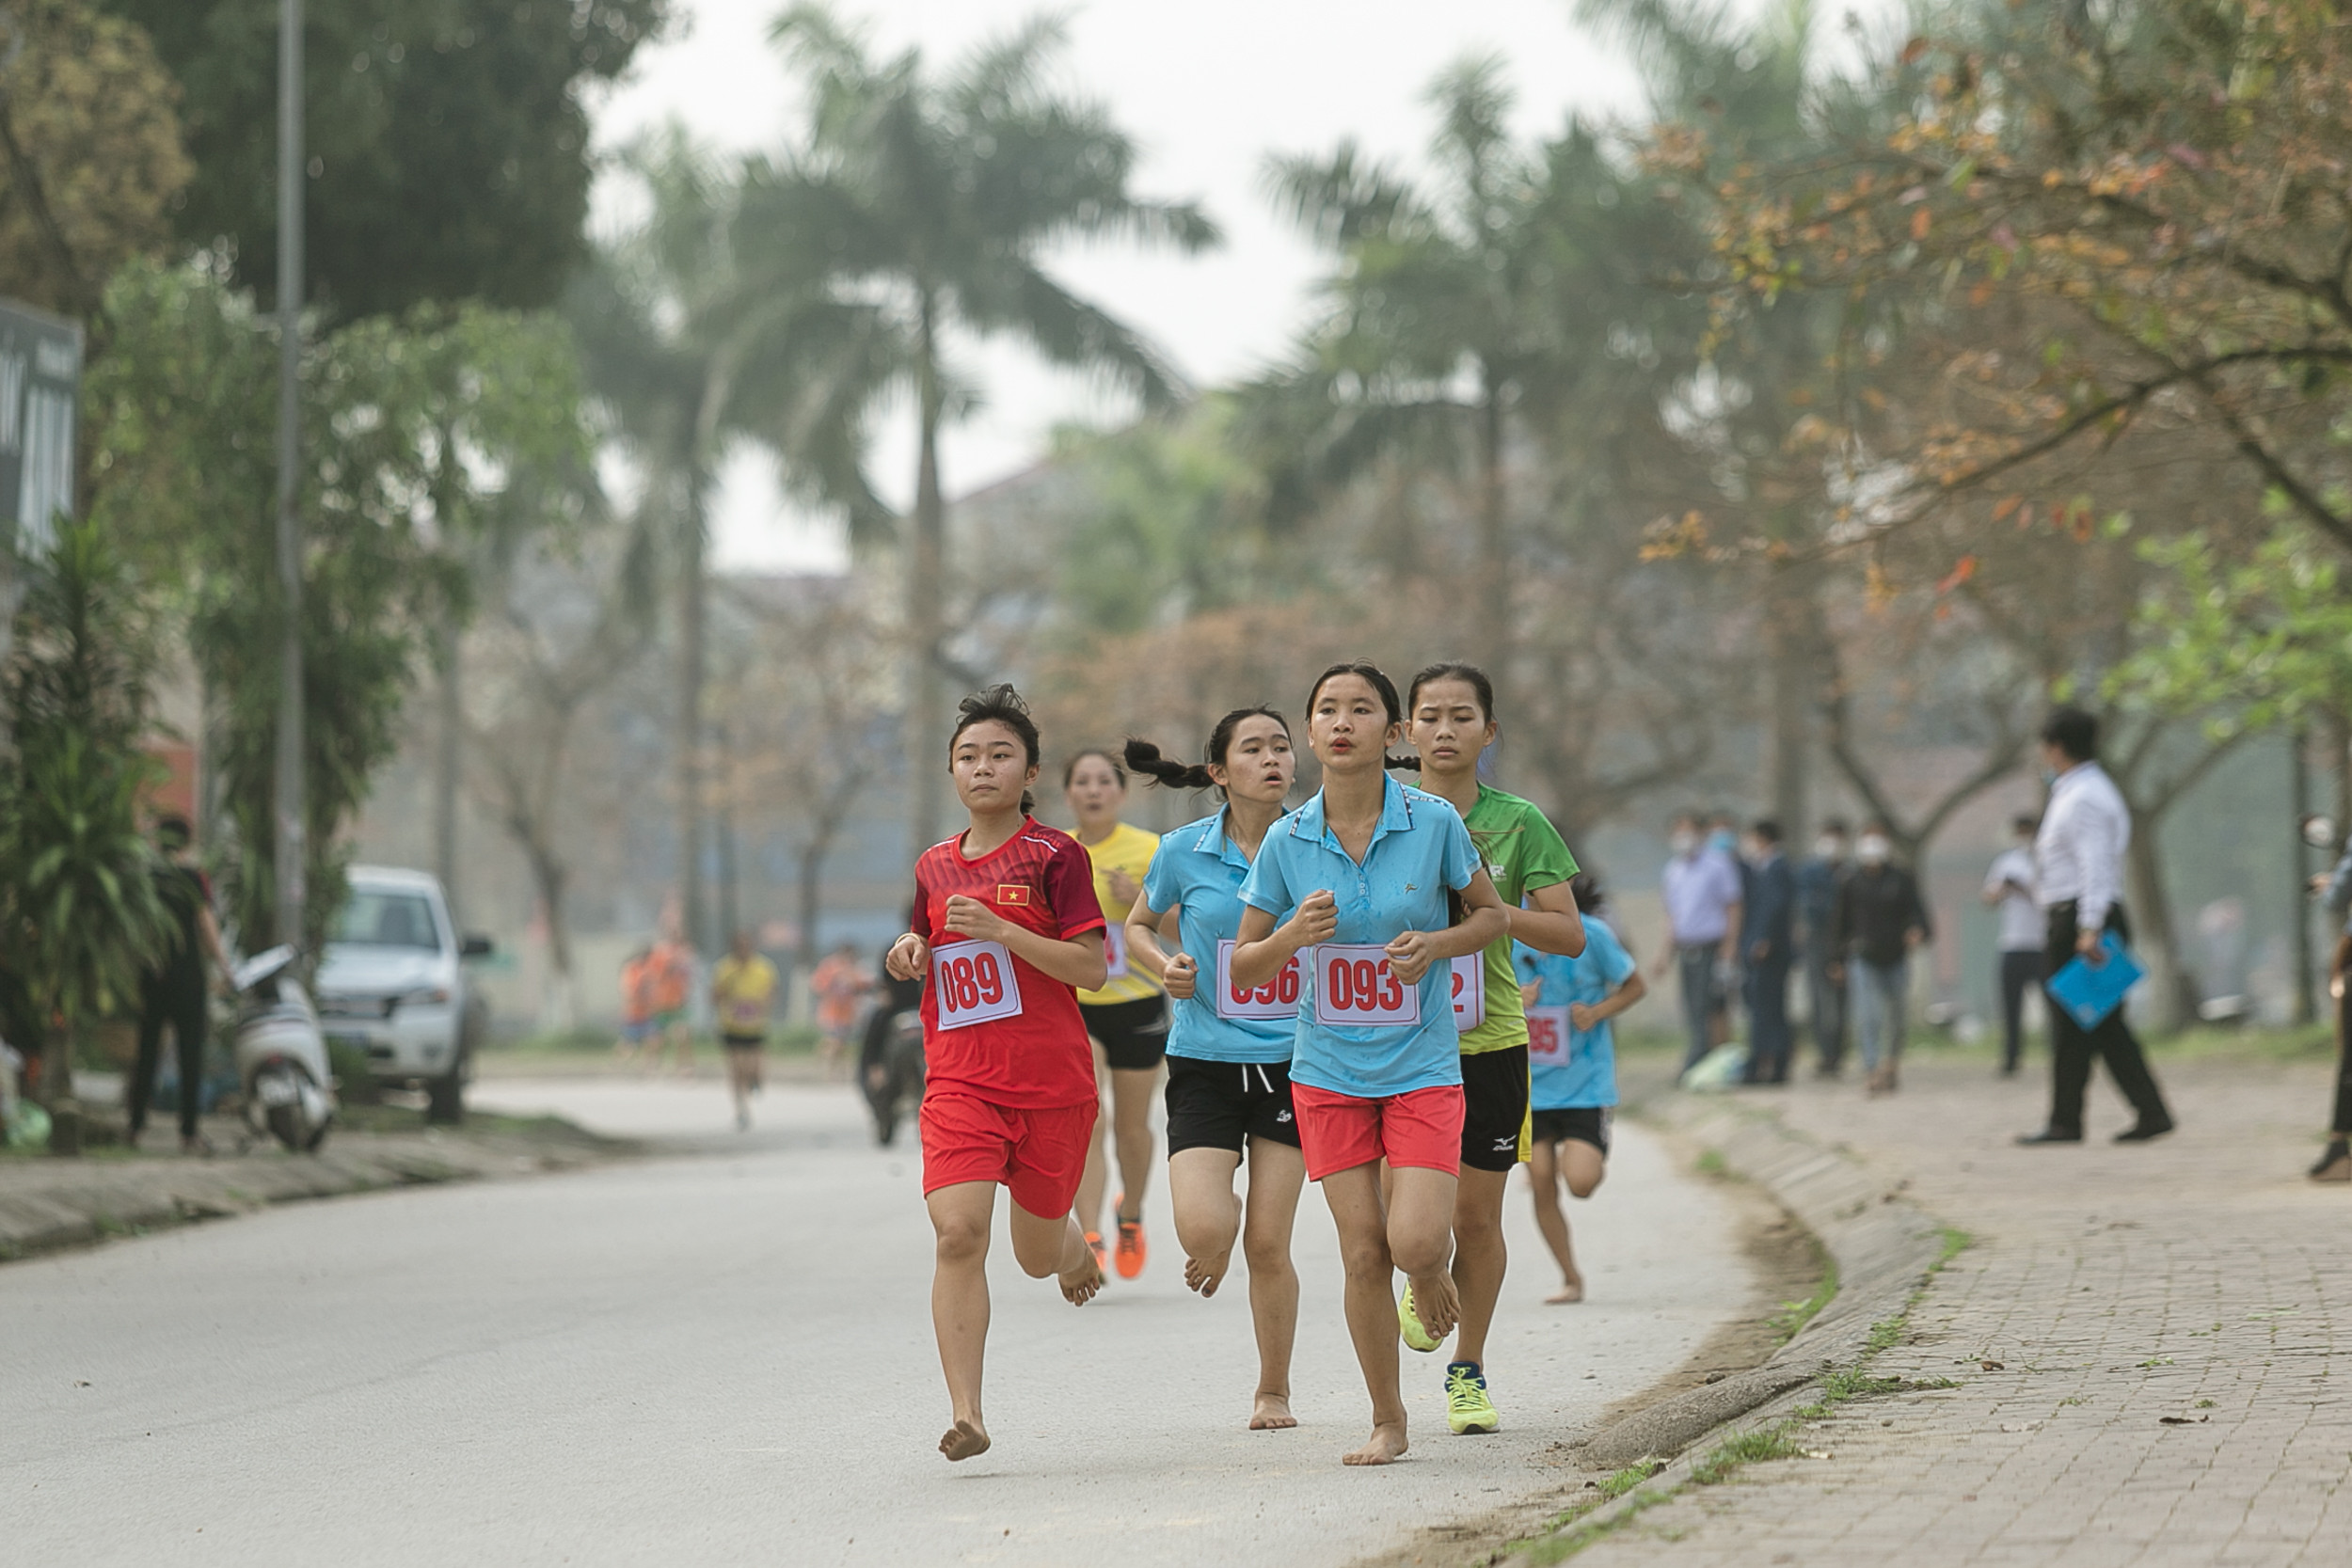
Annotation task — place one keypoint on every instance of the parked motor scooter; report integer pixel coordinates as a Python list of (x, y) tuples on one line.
[(281, 1052)]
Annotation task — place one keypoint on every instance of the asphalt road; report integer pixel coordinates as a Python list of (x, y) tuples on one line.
[(725, 1357)]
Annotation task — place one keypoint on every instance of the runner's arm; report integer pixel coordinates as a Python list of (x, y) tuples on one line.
[(1078, 961), (1144, 925), (1552, 925), (1261, 947), (1618, 1001), (1483, 919)]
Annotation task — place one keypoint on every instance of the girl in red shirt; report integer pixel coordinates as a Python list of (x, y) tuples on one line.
[(1006, 932)]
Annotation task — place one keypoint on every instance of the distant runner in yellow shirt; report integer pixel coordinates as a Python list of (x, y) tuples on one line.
[(743, 992), (1127, 1019)]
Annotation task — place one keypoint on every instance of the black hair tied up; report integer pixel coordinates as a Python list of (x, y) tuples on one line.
[(1147, 759), (1000, 704)]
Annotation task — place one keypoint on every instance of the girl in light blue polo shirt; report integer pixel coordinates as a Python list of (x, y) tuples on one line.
[(1229, 1051), (1574, 1067), (1355, 884)]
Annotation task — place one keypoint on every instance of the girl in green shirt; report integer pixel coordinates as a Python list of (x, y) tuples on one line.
[(1451, 720)]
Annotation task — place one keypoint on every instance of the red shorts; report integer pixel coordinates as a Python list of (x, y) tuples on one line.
[(1039, 1154), (1338, 1131)]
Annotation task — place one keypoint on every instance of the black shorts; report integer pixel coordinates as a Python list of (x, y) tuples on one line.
[(743, 1042), (1494, 1108), (1224, 1104), (1586, 1124), (1134, 1034)]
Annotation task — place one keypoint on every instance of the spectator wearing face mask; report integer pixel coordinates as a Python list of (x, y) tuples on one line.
[(1817, 882), (1767, 938), (1703, 903), (2008, 888), (1880, 920)]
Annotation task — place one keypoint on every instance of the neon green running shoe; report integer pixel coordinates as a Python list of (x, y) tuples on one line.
[(1466, 1407), (1410, 1325)]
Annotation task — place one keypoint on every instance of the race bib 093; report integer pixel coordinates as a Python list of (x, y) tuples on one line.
[(1548, 1035), (1355, 987), (1278, 998), (975, 983), (1469, 992)]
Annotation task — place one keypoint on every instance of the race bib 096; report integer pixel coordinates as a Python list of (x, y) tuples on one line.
[(1548, 1035), (975, 983), (1278, 998), (1469, 992), (1355, 987)]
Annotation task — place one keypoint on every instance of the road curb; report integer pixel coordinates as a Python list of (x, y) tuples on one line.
[(1884, 1247), (49, 1206)]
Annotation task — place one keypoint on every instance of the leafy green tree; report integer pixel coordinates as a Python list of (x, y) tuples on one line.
[(187, 473), (91, 154), (701, 330), (449, 139), (80, 920), (939, 194)]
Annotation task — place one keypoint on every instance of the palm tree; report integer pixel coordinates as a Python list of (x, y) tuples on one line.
[(1439, 322), (935, 197), (694, 343)]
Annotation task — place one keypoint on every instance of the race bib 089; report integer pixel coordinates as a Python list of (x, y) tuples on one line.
[(1355, 986), (1469, 992), (975, 983), (1278, 998), (1548, 1035)]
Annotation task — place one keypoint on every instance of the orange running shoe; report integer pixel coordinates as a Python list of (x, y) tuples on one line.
[(1102, 1252), (1132, 1251)]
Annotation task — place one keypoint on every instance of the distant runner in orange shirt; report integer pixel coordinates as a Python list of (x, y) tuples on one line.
[(672, 964), (636, 1006), (839, 984)]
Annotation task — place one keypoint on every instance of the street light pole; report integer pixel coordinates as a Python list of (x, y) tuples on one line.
[(288, 846)]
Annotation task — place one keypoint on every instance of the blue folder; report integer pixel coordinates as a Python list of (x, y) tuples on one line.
[(2090, 993)]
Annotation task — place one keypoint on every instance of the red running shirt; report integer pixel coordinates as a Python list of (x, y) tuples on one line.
[(1037, 1058)]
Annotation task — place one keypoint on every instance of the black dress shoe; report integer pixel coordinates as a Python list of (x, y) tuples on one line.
[(2049, 1136), (2336, 1164), (2144, 1131)]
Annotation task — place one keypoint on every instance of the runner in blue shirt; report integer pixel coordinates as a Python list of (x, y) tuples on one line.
[(1370, 872), (1573, 1057), (1228, 1053)]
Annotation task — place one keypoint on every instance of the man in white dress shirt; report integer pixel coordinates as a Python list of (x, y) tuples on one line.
[(2078, 880)]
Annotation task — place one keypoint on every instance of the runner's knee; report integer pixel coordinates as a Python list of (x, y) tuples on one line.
[(1266, 1245), (960, 1239)]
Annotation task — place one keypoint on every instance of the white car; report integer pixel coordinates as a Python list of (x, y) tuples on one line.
[(392, 982)]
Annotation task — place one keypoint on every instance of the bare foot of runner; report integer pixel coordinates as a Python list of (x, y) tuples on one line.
[(1436, 1304), (1387, 1443), (1080, 1285), (966, 1439), (1272, 1413), (1566, 1295), (1205, 1274)]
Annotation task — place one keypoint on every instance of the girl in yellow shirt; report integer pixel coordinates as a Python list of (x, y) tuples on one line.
[(1127, 1019)]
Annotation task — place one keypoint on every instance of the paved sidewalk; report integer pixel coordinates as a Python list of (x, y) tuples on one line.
[(2145, 1341)]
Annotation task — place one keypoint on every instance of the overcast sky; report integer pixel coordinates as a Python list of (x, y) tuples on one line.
[(1207, 88)]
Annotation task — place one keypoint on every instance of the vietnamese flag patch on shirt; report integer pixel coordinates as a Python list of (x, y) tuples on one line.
[(1011, 893)]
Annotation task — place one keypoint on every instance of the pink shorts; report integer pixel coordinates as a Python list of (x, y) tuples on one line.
[(1037, 1154), (1338, 1131)]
